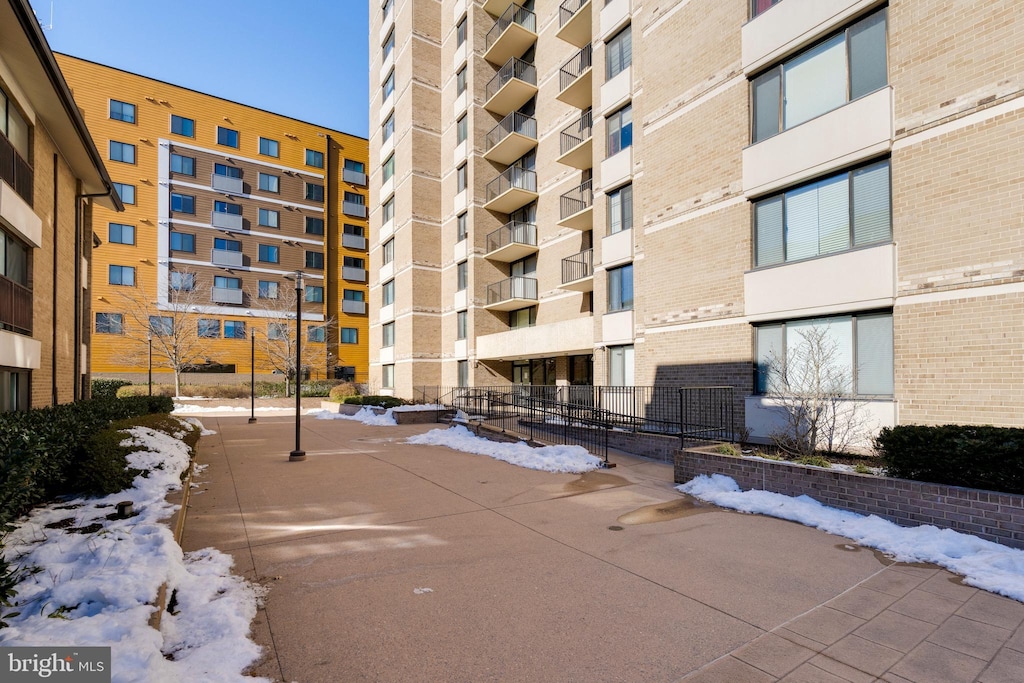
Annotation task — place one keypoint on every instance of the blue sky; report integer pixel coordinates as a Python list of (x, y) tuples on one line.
[(302, 58)]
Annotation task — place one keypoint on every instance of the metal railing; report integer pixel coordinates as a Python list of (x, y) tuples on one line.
[(515, 122), (15, 306), (577, 199), (512, 177), (578, 266), (585, 415), (516, 287), (577, 132), (15, 171), (513, 232), (513, 68), (575, 67), (513, 15), (568, 9)]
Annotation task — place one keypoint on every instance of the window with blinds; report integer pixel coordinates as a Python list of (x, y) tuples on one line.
[(847, 210), (859, 347)]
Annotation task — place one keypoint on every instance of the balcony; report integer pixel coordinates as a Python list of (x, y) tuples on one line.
[(353, 209), (357, 242), (354, 177), (508, 295), (353, 274), (512, 241), (15, 307), (353, 307), (513, 137), (512, 34), (578, 271), (228, 221), (574, 22), (496, 7), (577, 142), (512, 87), (566, 337), (223, 183), (224, 295), (513, 189), (577, 207), (574, 79), (15, 171), (226, 258), (770, 35)]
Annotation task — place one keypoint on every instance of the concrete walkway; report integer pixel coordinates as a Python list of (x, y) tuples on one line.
[(392, 562)]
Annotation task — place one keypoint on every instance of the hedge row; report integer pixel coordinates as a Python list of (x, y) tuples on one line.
[(42, 451), (985, 457), (379, 401)]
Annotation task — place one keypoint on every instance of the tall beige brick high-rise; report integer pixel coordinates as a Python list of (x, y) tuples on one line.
[(667, 193)]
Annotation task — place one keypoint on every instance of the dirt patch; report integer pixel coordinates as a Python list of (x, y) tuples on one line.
[(663, 512), (595, 480)]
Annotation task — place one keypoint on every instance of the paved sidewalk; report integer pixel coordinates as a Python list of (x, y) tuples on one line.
[(392, 562)]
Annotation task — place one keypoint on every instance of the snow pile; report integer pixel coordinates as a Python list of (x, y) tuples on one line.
[(180, 408), (983, 564), (366, 415), (418, 406), (571, 459), (203, 431), (90, 579)]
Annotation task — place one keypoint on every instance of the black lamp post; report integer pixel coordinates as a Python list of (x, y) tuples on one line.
[(252, 377), (149, 338), (298, 453)]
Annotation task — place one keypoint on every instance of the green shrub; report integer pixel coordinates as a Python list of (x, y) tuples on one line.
[(379, 401), (318, 387), (814, 461), (726, 449), (861, 468), (767, 456), (982, 457), (343, 391), (270, 389), (107, 388)]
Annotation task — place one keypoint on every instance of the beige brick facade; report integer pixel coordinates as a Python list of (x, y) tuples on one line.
[(947, 116)]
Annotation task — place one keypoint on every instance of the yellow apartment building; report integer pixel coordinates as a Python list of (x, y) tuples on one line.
[(224, 203)]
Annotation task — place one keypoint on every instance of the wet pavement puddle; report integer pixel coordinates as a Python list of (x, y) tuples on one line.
[(595, 481), (879, 555), (669, 510)]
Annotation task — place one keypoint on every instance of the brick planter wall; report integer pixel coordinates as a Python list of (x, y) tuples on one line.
[(993, 516)]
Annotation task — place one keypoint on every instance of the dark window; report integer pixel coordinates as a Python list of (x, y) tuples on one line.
[(227, 137), (119, 233), (183, 165), (209, 328), (315, 260), (314, 226), (183, 241), (183, 203), (122, 111), (182, 126), (314, 192), (314, 158), (109, 323)]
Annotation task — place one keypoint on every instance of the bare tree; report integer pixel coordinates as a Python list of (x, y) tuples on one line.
[(172, 325), (812, 387), (279, 340)]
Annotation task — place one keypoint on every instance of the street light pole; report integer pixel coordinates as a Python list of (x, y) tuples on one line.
[(252, 377), (298, 453), (149, 338)]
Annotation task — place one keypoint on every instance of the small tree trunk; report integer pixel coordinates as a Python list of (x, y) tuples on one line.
[(177, 382)]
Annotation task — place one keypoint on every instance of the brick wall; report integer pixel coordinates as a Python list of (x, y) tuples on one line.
[(993, 516)]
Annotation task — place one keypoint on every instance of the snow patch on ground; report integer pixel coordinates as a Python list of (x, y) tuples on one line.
[(417, 407), (189, 408), (203, 431), (94, 588), (983, 564), (570, 459), (366, 415)]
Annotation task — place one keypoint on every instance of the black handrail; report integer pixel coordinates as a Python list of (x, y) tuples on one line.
[(577, 199), (513, 232), (15, 171), (513, 68), (577, 132), (515, 122), (513, 15), (575, 67), (578, 266), (568, 9)]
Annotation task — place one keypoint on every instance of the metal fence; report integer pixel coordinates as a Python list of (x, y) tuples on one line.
[(584, 415), (575, 67)]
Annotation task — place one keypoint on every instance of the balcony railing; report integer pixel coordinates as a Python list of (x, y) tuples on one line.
[(223, 183), (512, 178), (568, 9), (575, 67), (513, 15), (578, 266), (515, 122), (225, 295), (577, 199), (353, 274), (577, 132), (352, 176), (353, 307), (514, 68), (513, 232), (353, 241), (15, 306), (230, 221), (226, 257), (15, 171), (353, 209), (516, 287)]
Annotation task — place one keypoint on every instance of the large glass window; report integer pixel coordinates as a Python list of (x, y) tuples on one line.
[(269, 182), (349, 335), (182, 282), (223, 244), (460, 32), (462, 129), (183, 203), (460, 178), (524, 317), (388, 252), (119, 233), (461, 324), (183, 164), (110, 323), (270, 218), (227, 137), (121, 275), (183, 241), (314, 192), (315, 260), (389, 85), (620, 366), (388, 169), (267, 289), (269, 148), (316, 334), (209, 328), (387, 335), (387, 293), (161, 325), (225, 282), (389, 45), (122, 111), (462, 275), (837, 213), (234, 329), (855, 353), (620, 130), (387, 376), (314, 226), (125, 192), (388, 129), (182, 126), (840, 69), (269, 253), (758, 6), (314, 294), (122, 151), (314, 158), (227, 207), (387, 210), (460, 81), (463, 373), (354, 295), (620, 288), (620, 209), (618, 52)]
